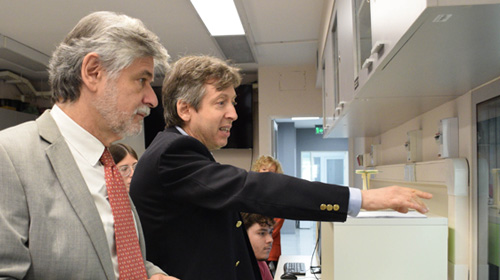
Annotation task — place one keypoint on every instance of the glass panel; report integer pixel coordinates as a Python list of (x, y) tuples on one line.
[(316, 169), (363, 24), (326, 167), (488, 180), (335, 173), (306, 166)]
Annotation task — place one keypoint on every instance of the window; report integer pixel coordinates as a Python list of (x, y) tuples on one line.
[(326, 167), (362, 23)]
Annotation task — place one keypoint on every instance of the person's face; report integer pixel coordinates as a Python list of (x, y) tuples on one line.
[(211, 124), (261, 238), (268, 168), (127, 167), (127, 100)]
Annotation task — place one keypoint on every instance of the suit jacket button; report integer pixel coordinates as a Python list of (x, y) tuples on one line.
[(336, 207), (322, 207), (238, 224), (329, 207), (237, 263)]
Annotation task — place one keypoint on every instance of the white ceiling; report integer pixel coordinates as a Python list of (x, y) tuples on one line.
[(280, 32)]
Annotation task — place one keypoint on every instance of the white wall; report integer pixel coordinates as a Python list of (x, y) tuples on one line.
[(285, 92), (392, 150)]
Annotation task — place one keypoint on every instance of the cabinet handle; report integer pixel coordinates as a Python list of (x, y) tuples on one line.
[(368, 63), (377, 48)]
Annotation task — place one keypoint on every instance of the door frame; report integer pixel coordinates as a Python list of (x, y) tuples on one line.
[(485, 93)]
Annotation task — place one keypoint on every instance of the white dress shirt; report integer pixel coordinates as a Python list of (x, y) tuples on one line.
[(87, 150)]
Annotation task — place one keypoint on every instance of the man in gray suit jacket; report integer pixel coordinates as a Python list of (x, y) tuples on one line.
[(55, 219)]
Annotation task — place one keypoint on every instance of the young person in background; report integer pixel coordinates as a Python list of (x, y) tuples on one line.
[(259, 229)]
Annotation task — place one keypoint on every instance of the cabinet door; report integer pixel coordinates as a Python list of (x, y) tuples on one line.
[(331, 75), (390, 20), (346, 62)]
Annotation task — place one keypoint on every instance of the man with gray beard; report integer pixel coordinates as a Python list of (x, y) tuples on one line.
[(58, 210)]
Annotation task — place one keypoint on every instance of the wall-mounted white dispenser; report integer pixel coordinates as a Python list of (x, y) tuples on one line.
[(447, 138), (374, 154), (413, 146)]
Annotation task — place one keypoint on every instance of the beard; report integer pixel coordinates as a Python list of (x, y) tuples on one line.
[(119, 122)]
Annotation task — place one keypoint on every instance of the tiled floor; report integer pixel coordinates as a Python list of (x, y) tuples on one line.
[(300, 242)]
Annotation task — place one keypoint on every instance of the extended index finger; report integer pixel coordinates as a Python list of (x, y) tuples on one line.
[(422, 194)]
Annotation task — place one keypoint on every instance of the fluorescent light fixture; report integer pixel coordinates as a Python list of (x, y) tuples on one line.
[(305, 118), (220, 17)]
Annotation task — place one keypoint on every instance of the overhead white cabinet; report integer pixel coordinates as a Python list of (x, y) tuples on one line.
[(338, 62), (421, 55)]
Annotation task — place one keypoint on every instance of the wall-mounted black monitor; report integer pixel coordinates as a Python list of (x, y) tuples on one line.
[(242, 129), (241, 132), (155, 122)]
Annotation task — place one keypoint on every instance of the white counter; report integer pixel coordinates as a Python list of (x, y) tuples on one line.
[(385, 248)]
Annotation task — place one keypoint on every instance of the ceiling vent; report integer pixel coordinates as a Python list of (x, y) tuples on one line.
[(236, 48)]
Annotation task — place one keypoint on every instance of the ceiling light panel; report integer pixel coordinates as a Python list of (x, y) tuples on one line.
[(220, 17)]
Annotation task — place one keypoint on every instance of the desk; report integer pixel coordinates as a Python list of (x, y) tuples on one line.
[(385, 248), (296, 258)]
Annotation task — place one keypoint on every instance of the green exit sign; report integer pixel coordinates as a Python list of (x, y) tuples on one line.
[(319, 129)]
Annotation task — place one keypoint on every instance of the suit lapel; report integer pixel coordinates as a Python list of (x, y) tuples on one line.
[(75, 188)]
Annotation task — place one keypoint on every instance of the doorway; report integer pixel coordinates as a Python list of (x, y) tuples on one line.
[(305, 154)]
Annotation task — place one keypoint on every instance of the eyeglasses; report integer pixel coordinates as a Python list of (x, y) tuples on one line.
[(125, 170)]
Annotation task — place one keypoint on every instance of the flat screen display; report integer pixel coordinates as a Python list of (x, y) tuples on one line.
[(242, 130)]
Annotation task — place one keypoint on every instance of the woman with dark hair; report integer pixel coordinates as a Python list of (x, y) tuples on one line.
[(126, 159)]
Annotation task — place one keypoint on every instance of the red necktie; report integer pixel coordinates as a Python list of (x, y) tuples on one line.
[(130, 262)]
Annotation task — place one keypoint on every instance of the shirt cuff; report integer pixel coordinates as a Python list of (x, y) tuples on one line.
[(354, 202)]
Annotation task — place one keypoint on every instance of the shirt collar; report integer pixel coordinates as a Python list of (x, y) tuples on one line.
[(80, 139), (181, 130)]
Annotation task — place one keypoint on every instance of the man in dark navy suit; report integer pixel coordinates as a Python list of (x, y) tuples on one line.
[(189, 204)]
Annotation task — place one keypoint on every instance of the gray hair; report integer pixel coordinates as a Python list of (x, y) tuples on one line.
[(118, 40), (186, 81)]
